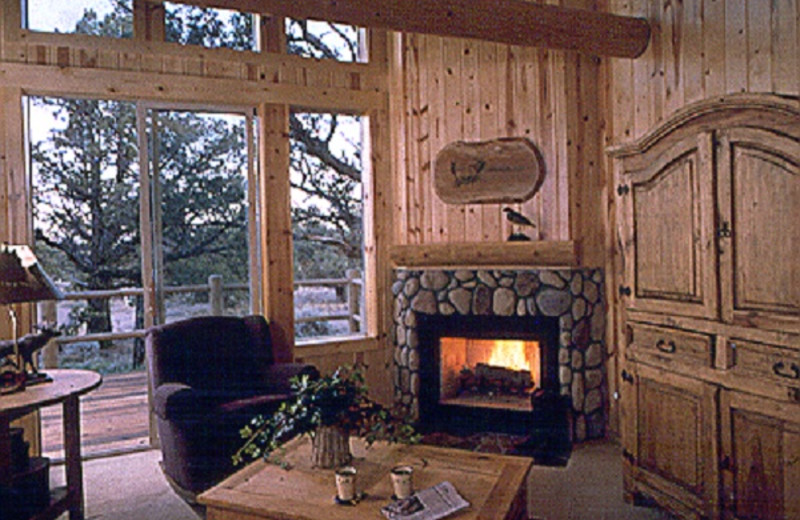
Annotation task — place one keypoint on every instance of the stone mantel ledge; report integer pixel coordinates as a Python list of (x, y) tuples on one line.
[(574, 296)]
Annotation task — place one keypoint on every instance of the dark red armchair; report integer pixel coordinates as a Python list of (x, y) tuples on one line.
[(209, 377)]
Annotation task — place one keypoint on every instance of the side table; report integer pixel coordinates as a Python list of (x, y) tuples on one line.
[(67, 386)]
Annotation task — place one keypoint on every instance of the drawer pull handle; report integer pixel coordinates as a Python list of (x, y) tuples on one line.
[(779, 369), (668, 347)]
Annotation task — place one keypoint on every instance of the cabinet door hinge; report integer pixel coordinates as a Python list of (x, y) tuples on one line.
[(624, 290), (623, 189)]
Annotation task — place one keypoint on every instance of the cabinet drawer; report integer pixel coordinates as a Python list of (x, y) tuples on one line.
[(781, 365), (670, 346)]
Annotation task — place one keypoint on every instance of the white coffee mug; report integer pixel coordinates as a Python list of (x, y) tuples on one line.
[(402, 482), (346, 483)]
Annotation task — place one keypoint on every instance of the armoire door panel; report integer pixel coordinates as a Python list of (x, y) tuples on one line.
[(669, 261), (761, 449), (762, 268)]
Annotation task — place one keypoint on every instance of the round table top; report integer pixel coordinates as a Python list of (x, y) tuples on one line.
[(65, 384)]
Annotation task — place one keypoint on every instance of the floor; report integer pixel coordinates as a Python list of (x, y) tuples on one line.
[(131, 487)]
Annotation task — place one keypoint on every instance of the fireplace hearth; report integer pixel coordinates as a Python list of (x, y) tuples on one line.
[(450, 325)]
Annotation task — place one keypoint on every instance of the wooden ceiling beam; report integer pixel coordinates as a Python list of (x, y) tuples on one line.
[(516, 22)]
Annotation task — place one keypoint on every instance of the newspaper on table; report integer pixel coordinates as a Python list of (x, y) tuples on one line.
[(427, 504)]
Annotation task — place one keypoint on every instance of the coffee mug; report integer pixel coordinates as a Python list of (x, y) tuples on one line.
[(402, 482), (346, 484)]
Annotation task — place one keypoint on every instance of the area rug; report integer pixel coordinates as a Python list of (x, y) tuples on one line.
[(543, 453)]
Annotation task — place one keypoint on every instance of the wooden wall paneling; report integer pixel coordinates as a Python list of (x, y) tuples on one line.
[(453, 228), (672, 48), (641, 82), (656, 64), (409, 191), (736, 74), (714, 36), (427, 109), (563, 105), (435, 218), (470, 101), (620, 86), (488, 84), (592, 189), (759, 47), (691, 51), (527, 115), (546, 132), (399, 113), (785, 58), (495, 214)]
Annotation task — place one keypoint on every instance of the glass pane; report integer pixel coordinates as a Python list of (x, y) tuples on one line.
[(85, 180), (200, 161), (327, 224), (325, 40), (96, 17), (213, 28)]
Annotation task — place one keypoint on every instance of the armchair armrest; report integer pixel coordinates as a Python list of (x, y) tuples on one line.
[(277, 376), (177, 401)]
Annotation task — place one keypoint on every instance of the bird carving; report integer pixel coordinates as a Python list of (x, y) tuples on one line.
[(517, 218)]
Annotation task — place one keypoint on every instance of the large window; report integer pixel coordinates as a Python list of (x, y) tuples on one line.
[(324, 40), (96, 17), (327, 186), (213, 28), (193, 254)]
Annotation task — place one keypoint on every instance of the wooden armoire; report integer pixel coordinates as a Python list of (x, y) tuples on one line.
[(709, 237)]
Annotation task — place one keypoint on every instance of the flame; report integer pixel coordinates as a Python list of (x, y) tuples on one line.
[(510, 354)]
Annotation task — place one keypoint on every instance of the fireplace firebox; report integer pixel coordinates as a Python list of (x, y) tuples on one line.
[(487, 373)]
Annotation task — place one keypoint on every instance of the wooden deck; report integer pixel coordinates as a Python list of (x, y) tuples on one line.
[(113, 418)]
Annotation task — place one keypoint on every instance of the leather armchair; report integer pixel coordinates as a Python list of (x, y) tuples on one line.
[(209, 376)]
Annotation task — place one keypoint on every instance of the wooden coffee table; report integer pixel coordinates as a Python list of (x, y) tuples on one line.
[(494, 485)]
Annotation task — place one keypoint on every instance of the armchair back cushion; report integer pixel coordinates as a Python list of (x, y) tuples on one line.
[(212, 352)]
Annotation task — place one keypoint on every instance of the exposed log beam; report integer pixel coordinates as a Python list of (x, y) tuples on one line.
[(516, 22)]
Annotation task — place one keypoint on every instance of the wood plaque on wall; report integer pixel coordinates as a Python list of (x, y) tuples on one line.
[(502, 170)]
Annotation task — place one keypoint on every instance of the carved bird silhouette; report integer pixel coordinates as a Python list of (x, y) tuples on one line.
[(517, 218)]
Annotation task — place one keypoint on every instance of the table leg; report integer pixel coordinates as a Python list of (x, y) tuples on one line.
[(6, 471), (72, 452)]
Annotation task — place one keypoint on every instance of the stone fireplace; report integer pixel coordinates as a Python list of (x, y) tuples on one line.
[(451, 326)]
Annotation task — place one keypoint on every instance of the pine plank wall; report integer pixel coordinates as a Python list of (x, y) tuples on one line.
[(423, 92)]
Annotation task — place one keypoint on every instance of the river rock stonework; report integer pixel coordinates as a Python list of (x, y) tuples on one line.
[(574, 296)]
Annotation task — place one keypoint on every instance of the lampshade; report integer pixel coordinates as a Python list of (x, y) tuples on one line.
[(21, 277)]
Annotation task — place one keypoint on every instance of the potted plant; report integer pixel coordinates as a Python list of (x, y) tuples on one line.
[(329, 409)]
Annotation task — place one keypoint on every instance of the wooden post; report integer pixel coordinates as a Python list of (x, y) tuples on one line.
[(353, 297), (215, 295), (48, 314)]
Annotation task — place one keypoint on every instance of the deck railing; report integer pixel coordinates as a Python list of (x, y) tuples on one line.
[(351, 286)]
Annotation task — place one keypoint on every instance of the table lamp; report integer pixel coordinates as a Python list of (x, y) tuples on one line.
[(22, 280)]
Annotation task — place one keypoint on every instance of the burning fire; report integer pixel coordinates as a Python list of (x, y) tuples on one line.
[(510, 354)]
